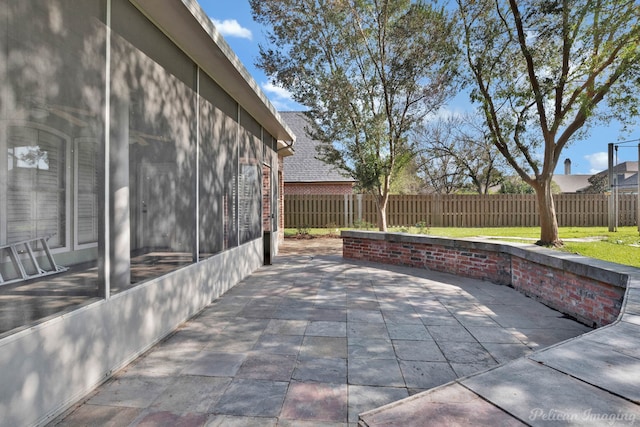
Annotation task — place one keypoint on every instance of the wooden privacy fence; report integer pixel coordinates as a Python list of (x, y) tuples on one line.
[(437, 210)]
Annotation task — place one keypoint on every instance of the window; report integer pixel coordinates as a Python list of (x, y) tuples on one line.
[(153, 152), (36, 185), (86, 185), (249, 179), (218, 127), (52, 74)]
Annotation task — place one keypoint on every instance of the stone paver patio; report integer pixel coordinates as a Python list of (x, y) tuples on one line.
[(315, 340)]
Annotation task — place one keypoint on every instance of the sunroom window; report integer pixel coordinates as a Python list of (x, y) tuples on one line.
[(36, 193)]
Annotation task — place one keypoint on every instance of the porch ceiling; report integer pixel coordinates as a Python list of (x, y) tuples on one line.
[(184, 22)]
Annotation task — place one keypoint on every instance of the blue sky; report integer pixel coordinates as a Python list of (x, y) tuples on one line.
[(233, 20)]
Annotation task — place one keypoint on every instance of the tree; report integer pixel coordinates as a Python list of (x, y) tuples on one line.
[(599, 183), (442, 173), (369, 70), (463, 145), (543, 71), (407, 180), (515, 185)]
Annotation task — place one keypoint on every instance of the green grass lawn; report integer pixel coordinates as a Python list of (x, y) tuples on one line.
[(618, 246)]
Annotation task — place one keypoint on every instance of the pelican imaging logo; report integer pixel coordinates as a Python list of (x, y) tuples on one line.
[(587, 416)]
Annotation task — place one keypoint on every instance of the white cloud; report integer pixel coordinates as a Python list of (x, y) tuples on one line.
[(445, 113), (277, 91), (280, 97), (283, 105), (231, 28), (597, 161)]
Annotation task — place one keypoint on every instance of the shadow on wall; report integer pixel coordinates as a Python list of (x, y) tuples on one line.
[(52, 143), (72, 354)]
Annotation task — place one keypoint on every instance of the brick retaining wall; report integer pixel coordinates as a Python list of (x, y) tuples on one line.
[(589, 290)]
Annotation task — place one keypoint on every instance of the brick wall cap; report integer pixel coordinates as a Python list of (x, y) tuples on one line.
[(615, 274), (467, 243)]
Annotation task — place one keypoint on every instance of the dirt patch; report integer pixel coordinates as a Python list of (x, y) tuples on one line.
[(311, 246)]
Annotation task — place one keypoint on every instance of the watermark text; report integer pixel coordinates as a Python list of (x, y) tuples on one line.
[(587, 416)]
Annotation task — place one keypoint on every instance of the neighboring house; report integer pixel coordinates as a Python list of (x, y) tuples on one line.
[(134, 142), (628, 184), (572, 183), (625, 176), (569, 183), (307, 174)]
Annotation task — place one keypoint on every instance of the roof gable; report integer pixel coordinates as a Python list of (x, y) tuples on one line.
[(304, 166)]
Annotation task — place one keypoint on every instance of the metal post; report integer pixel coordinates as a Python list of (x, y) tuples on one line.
[(616, 188), (638, 195), (611, 198)]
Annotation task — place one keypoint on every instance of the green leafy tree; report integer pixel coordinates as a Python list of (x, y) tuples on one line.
[(599, 183), (543, 71), (407, 180), (515, 185), (369, 71)]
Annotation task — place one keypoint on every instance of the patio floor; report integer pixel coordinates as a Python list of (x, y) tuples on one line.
[(315, 340)]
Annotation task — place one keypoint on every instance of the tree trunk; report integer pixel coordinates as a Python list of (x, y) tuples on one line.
[(382, 212), (548, 221)]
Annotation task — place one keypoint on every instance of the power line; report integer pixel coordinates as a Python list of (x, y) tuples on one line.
[(626, 143)]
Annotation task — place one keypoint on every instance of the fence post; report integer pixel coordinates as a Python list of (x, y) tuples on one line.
[(359, 199), (437, 211), (348, 210), (351, 210)]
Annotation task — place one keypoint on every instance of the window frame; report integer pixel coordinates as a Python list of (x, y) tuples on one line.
[(67, 177)]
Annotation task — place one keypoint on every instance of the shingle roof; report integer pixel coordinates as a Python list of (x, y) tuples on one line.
[(572, 183), (627, 173), (304, 166), (622, 168)]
